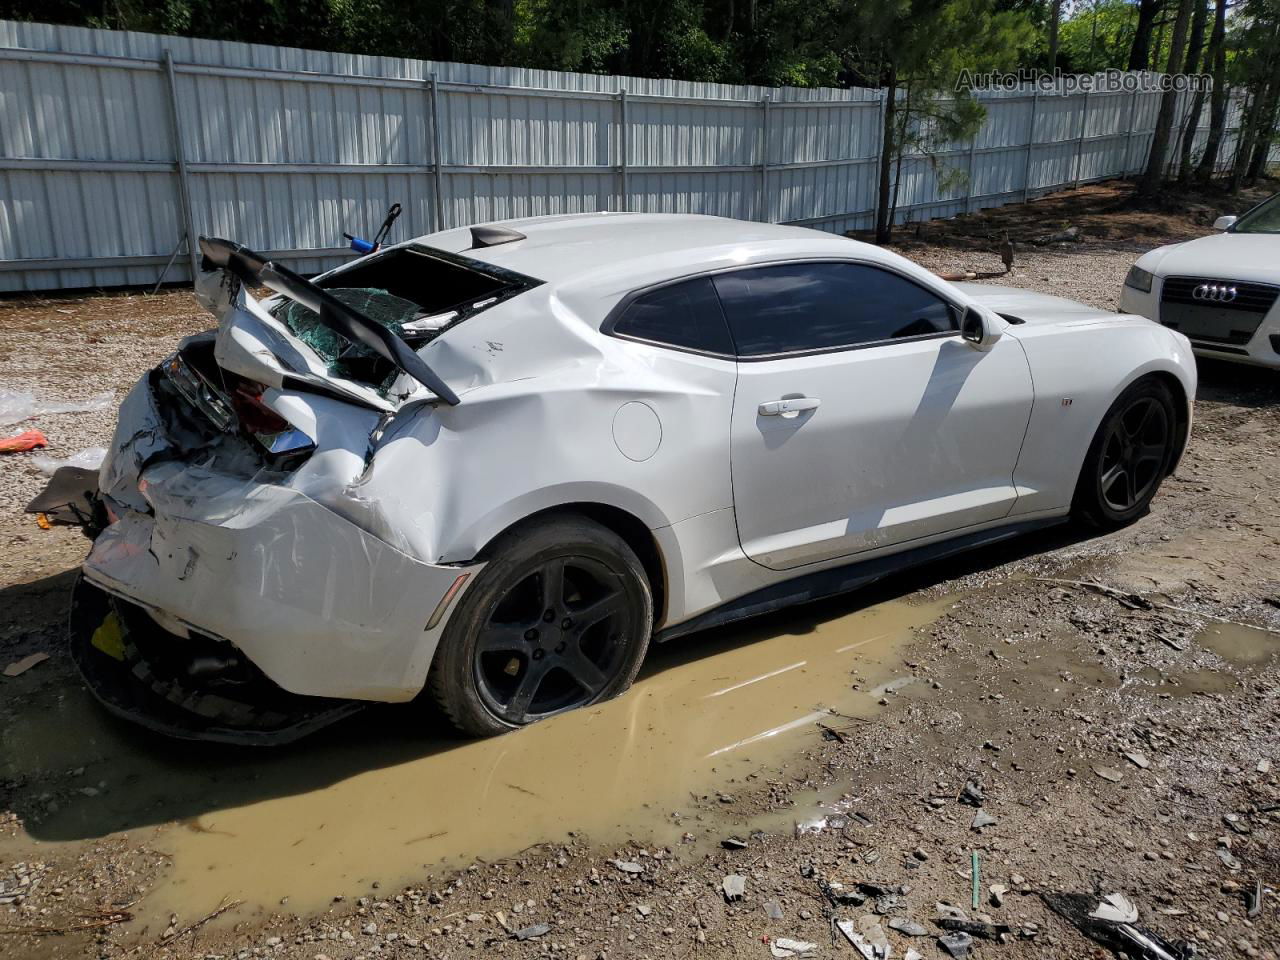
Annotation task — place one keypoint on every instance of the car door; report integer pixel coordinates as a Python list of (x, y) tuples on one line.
[(862, 419)]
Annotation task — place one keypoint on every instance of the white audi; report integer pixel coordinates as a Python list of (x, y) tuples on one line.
[(495, 463), (1220, 290)]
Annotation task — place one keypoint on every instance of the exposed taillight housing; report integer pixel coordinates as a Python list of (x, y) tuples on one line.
[(285, 444), (254, 415)]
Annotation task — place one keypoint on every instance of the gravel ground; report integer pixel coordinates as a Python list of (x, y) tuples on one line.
[(1123, 736)]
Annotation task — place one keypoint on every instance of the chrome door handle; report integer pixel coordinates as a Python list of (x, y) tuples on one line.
[(788, 408)]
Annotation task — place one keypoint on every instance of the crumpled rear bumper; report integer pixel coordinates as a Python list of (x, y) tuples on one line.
[(321, 606), (129, 664)]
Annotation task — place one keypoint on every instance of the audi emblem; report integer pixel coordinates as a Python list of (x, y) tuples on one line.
[(1215, 293)]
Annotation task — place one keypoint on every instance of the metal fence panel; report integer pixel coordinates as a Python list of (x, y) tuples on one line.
[(285, 149)]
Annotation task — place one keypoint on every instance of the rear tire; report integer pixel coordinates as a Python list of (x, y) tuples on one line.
[(559, 618), (1130, 455)]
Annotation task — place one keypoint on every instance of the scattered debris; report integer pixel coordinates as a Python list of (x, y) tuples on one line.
[(90, 458), (18, 405), (734, 887), (831, 733), (1138, 760), (628, 866), (733, 843), (1082, 910), (1228, 861), (27, 440), (947, 910), (1237, 823), (998, 892), (1110, 774), (1115, 908), (956, 944), (19, 667), (773, 909), (843, 894), (983, 819), (1253, 900), (908, 927), (867, 937), (786, 947), (975, 928), (533, 932), (976, 874), (972, 794)]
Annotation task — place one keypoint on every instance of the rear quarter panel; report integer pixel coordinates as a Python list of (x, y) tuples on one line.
[(1079, 368)]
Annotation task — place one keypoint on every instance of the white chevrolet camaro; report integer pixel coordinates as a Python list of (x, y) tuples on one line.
[(495, 463), (1221, 290)]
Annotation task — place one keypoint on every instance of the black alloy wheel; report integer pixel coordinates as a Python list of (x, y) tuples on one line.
[(559, 618), (1134, 454), (1133, 450), (553, 642)]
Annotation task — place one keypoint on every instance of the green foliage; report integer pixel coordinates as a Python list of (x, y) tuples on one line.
[(1097, 36)]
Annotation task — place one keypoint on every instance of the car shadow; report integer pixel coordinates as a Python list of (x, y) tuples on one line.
[(71, 771), (1222, 381)]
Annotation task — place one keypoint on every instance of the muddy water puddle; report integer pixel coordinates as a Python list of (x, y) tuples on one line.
[(1239, 644), (382, 799)]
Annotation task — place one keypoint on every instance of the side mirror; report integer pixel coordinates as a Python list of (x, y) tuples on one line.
[(972, 325), (978, 329), (1225, 223)]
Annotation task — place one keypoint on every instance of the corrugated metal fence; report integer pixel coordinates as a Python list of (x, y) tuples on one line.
[(113, 145)]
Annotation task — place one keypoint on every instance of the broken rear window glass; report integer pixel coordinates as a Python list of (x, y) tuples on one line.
[(415, 292)]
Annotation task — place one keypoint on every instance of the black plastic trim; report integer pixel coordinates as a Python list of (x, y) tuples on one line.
[(835, 580)]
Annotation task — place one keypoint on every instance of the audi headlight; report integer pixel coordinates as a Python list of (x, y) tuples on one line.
[(1139, 279)]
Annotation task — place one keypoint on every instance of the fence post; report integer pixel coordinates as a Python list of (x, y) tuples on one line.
[(968, 193), (180, 158), (1084, 125), (1128, 139), (766, 201), (437, 165), (624, 199), (1031, 144)]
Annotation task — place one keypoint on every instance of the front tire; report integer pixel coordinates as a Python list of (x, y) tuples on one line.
[(559, 618), (1130, 455)]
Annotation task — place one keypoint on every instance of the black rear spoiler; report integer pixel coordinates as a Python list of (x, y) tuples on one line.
[(254, 269)]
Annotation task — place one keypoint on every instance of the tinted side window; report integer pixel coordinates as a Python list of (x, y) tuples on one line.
[(817, 306), (684, 315)]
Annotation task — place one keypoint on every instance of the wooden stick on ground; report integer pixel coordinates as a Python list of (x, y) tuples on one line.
[(1130, 595)]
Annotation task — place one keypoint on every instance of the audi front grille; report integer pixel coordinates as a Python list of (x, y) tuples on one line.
[(1215, 311)]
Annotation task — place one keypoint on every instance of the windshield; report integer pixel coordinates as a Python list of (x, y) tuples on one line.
[(1264, 218)]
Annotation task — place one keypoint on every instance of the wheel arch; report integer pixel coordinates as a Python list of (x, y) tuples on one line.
[(633, 531), (1182, 411)]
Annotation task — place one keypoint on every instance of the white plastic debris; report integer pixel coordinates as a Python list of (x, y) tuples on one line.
[(90, 458), (734, 886), (18, 405), (867, 937), (786, 947), (1117, 908)]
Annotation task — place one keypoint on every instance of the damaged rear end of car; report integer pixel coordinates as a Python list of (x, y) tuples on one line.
[(239, 588)]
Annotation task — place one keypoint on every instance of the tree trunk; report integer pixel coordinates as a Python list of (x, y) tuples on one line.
[(1054, 17), (1217, 60), (1265, 125), (1192, 65), (1152, 179), (884, 227), (1140, 51), (1244, 143)]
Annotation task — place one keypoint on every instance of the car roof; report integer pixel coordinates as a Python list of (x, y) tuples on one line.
[(571, 249)]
